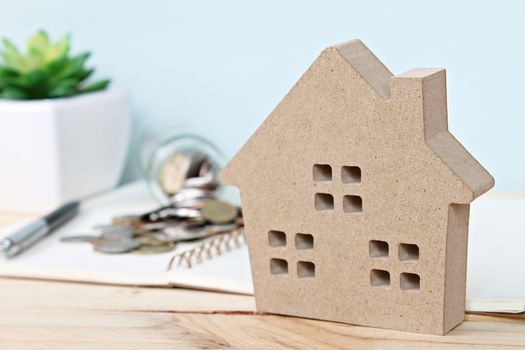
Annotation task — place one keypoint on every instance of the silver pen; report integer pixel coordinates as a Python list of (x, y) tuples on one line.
[(35, 231)]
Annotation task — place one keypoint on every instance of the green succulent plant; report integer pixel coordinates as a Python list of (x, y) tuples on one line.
[(46, 70)]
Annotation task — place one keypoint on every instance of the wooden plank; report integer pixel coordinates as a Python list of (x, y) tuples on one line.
[(54, 315), (162, 330), (22, 294)]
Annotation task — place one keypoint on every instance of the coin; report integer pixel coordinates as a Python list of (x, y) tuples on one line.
[(190, 179), (179, 167), (126, 220), (154, 240), (112, 228), (117, 235), (115, 247), (185, 194), (187, 213), (190, 203), (153, 215), (221, 228), (206, 167), (179, 234), (204, 182), (174, 172), (155, 226), (148, 250), (175, 214), (78, 238), (219, 212)]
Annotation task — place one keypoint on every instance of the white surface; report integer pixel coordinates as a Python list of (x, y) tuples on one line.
[(512, 306), (52, 259), (52, 151), (496, 260)]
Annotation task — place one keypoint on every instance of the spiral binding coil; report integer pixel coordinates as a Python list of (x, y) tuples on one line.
[(209, 249)]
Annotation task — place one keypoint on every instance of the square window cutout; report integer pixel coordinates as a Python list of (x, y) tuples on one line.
[(351, 174), (352, 204), (378, 249), (408, 252), (379, 278), (304, 241), (276, 238), (322, 172), (410, 282), (278, 266), (324, 201), (305, 269)]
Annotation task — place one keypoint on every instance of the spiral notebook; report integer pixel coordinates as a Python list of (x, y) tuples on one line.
[(220, 264)]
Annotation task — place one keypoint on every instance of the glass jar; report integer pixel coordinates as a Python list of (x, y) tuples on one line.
[(159, 148)]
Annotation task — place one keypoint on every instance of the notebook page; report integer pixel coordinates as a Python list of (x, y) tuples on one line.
[(228, 272), (52, 259), (496, 258)]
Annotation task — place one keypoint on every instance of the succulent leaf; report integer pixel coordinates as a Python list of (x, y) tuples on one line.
[(36, 77), (12, 56), (84, 74), (38, 43), (59, 49), (46, 70), (56, 66), (65, 87), (74, 66), (13, 93), (6, 72), (99, 85)]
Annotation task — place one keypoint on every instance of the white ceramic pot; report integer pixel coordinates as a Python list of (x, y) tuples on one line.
[(52, 151)]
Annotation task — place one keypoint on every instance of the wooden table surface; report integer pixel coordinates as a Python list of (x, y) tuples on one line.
[(58, 315)]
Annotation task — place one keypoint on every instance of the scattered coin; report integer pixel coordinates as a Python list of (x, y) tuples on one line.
[(173, 172), (156, 226), (189, 203), (116, 246), (180, 167), (179, 234), (193, 214), (148, 250), (154, 240), (203, 182), (78, 238), (112, 228), (222, 228), (189, 193), (126, 220), (117, 235), (205, 168), (219, 212)]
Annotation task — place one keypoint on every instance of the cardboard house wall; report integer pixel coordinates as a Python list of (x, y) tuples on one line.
[(356, 197)]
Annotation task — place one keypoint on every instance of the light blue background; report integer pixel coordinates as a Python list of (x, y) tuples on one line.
[(219, 67)]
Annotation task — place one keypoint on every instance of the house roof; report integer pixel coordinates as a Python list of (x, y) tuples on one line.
[(461, 163), (431, 83), (367, 65), (437, 137)]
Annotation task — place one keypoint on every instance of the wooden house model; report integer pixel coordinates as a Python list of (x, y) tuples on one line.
[(356, 197)]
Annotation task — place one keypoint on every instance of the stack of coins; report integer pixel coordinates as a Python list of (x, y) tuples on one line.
[(193, 214)]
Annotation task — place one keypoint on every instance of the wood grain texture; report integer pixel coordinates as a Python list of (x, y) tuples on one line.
[(44, 295), (54, 315)]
